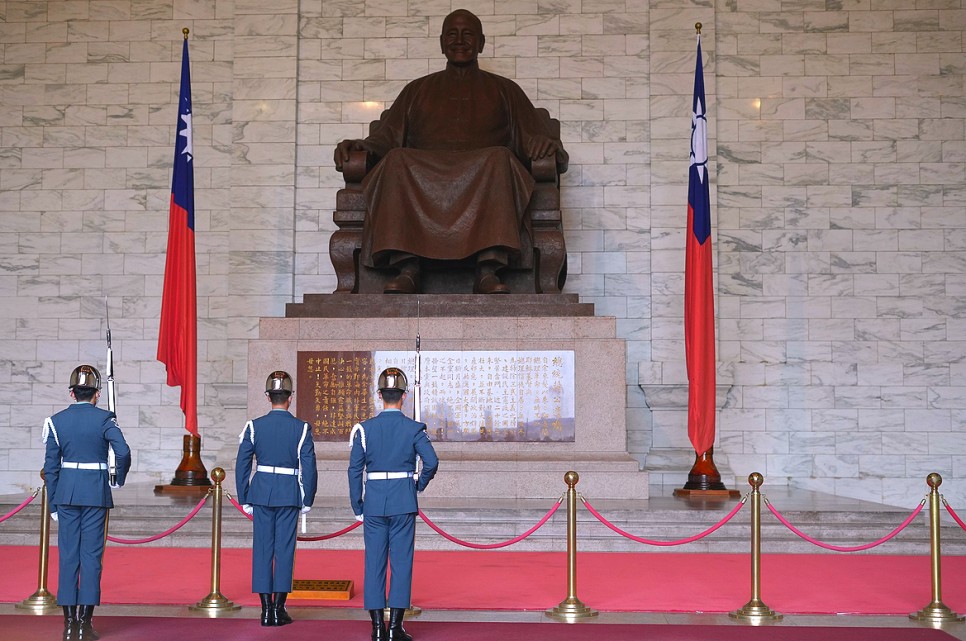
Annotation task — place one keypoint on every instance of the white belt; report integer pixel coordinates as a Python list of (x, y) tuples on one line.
[(383, 476), (276, 470), (70, 465)]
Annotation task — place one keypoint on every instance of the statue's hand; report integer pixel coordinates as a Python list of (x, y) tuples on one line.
[(541, 147), (342, 152)]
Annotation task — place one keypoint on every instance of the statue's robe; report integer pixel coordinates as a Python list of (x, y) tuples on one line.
[(453, 177)]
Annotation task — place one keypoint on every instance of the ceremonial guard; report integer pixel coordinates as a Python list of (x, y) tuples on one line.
[(384, 453), (79, 487), (282, 487)]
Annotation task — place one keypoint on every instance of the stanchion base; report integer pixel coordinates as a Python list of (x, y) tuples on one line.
[(40, 602), (214, 604), (755, 610), (571, 610), (412, 612), (937, 612)]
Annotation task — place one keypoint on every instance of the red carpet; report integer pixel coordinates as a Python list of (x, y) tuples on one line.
[(491, 580), (48, 628)]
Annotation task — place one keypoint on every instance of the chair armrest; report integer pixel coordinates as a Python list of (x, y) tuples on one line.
[(544, 170), (354, 170)]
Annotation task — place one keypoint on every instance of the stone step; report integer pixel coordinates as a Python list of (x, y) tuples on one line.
[(514, 476)]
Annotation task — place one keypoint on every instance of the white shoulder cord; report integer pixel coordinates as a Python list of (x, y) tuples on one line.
[(361, 430), (362, 434), (48, 430), (249, 427)]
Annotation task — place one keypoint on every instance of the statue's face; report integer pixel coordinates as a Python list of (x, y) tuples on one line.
[(462, 38)]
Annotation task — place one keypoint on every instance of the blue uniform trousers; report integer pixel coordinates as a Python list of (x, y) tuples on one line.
[(392, 539), (273, 548), (80, 546)]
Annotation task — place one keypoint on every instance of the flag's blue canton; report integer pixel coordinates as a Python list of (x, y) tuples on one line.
[(698, 191), (182, 184)]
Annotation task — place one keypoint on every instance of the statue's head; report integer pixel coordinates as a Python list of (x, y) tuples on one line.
[(461, 39)]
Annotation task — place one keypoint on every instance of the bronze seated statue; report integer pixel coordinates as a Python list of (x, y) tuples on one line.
[(456, 187)]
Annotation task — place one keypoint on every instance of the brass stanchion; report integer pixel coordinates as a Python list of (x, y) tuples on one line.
[(571, 609), (936, 611), (215, 603), (755, 610), (42, 600)]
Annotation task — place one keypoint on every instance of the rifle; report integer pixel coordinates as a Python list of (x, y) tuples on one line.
[(111, 396), (417, 413)]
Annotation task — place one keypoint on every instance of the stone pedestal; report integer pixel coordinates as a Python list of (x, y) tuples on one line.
[(482, 469)]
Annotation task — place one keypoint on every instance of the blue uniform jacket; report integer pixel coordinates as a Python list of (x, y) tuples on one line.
[(80, 434), (278, 439), (392, 441)]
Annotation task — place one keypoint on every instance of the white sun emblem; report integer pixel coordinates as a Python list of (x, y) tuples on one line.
[(186, 132), (699, 141)]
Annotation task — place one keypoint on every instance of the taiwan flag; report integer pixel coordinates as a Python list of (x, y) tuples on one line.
[(698, 284), (178, 335)]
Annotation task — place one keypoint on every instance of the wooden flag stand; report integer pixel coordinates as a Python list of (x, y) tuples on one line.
[(704, 481), (191, 477)]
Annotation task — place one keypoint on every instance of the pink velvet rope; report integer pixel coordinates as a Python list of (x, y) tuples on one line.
[(170, 530), (839, 548), (690, 539), (491, 546), (322, 537), (19, 507), (953, 514), (239, 507)]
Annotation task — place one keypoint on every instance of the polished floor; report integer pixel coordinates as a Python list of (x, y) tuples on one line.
[(956, 629)]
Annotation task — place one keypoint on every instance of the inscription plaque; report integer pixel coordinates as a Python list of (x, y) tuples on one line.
[(485, 396)]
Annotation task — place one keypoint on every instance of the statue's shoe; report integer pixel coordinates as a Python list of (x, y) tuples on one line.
[(490, 284), (401, 284)]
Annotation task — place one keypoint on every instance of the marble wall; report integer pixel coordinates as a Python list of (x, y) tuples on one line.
[(837, 138)]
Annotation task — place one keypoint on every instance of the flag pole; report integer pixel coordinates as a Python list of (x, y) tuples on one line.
[(178, 331), (704, 480)]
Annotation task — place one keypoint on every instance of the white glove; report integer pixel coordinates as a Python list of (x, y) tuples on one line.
[(305, 509), (360, 517), (248, 509), (53, 515)]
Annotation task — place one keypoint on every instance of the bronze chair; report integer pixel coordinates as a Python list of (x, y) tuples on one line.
[(541, 268)]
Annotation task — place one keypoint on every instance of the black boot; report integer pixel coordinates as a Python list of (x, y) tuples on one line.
[(268, 609), (85, 631), (70, 622), (281, 615), (379, 632), (396, 631)]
